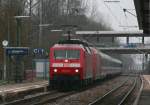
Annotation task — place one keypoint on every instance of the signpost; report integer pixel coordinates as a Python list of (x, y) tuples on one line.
[(18, 53), (5, 44)]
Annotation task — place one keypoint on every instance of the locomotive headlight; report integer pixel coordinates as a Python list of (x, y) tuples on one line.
[(76, 70), (55, 70)]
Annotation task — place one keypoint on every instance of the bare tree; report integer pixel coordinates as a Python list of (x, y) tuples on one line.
[(56, 13)]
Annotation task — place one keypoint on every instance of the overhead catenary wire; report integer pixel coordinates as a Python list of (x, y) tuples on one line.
[(110, 10), (126, 19), (124, 9)]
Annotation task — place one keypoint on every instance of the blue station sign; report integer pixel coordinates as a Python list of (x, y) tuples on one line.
[(17, 50)]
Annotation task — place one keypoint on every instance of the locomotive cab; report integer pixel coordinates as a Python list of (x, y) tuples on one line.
[(65, 61), (66, 64), (70, 63)]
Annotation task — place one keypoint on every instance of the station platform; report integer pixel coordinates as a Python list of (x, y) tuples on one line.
[(145, 95), (20, 87)]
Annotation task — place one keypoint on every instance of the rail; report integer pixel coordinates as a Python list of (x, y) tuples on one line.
[(128, 93), (52, 99), (139, 94), (105, 95), (100, 99)]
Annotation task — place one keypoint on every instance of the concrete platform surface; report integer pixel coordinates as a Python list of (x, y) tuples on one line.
[(12, 88)]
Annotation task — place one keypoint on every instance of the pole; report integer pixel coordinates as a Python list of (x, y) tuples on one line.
[(18, 32), (143, 63), (30, 8), (40, 26), (143, 40), (18, 44), (4, 63), (127, 40), (8, 30), (69, 37), (113, 40)]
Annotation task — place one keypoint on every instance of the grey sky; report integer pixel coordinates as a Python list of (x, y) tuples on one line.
[(113, 13)]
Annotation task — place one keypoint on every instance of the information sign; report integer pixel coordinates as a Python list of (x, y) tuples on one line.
[(17, 50)]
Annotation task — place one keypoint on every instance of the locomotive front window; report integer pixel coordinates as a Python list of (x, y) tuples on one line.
[(73, 54), (60, 54), (66, 54)]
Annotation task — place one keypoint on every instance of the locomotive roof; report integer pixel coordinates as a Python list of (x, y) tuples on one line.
[(74, 41), (68, 46)]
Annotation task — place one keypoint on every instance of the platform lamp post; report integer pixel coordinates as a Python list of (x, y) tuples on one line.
[(18, 43), (18, 19), (5, 44)]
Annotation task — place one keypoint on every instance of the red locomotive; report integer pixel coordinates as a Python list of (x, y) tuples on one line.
[(75, 63)]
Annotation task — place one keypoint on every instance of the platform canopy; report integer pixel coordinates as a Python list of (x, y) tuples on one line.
[(111, 33), (143, 14), (120, 50)]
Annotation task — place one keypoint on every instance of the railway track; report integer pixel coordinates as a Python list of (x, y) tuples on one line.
[(47, 97), (118, 95), (52, 96), (39, 99)]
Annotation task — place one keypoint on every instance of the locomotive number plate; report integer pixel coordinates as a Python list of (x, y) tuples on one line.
[(66, 64)]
